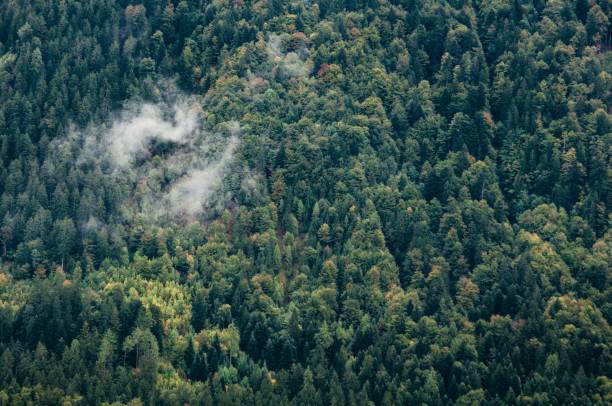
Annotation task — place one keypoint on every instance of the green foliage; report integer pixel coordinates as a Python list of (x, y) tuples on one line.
[(419, 210)]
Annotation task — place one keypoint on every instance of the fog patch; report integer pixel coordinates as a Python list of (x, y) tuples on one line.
[(174, 164), (292, 63), (198, 178), (130, 136)]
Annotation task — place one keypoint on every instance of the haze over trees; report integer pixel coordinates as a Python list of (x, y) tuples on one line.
[(330, 202)]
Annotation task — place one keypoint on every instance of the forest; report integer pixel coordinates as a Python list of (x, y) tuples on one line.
[(334, 202)]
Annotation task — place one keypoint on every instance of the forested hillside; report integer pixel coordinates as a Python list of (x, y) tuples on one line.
[(360, 202)]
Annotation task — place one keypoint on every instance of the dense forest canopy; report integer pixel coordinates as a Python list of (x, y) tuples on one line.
[(305, 202)]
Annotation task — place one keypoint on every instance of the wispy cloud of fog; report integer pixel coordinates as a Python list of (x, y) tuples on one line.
[(292, 64), (175, 165), (196, 176), (274, 45), (130, 135), (197, 186)]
